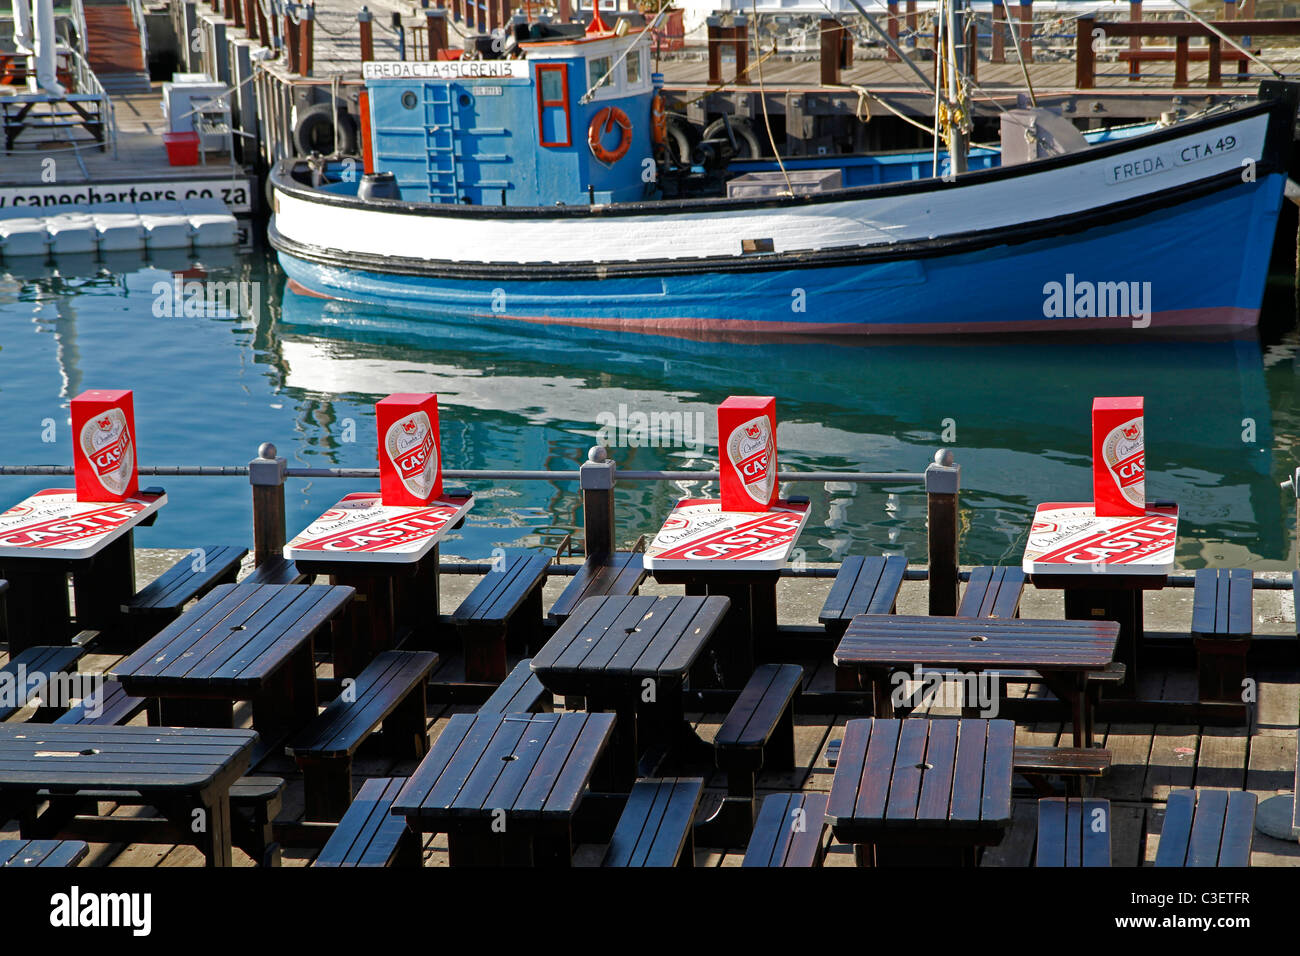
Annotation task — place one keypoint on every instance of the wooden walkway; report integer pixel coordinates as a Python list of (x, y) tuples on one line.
[(140, 152), (1149, 760)]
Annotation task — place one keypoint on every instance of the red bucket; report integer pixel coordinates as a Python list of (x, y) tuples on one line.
[(182, 148)]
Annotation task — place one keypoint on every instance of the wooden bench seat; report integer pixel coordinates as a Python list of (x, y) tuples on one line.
[(757, 734), (161, 601), (44, 853), (390, 691), (655, 826), (255, 802), (369, 835), (993, 592), (1207, 828), (520, 693), (790, 831), (863, 585), (1036, 764), (1223, 617), (42, 661), (505, 604), (620, 573), (1073, 831), (113, 707), (277, 571)]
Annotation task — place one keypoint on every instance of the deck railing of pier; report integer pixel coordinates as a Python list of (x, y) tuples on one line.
[(1182, 32), (597, 477)]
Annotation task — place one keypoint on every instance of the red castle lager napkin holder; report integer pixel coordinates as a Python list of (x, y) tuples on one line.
[(747, 452), (104, 452), (1118, 457), (410, 457)]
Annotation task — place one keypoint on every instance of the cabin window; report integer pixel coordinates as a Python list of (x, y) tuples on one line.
[(596, 69), (633, 62), (553, 105)]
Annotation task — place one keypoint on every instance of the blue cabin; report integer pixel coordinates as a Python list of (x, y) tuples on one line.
[(570, 123)]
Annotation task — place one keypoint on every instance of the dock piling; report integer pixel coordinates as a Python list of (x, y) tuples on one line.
[(942, 480), (266, 474)]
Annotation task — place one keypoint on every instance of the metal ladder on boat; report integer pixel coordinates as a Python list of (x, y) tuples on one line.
[(440, 129)]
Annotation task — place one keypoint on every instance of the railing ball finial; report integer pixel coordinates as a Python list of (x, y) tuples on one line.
[(266, 450), (943, 457), (597, 453)]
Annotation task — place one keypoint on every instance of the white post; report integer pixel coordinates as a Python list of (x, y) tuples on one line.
[(46, 45), (22, 26)]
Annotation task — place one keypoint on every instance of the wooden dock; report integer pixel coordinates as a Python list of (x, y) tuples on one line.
[(1148, 760)]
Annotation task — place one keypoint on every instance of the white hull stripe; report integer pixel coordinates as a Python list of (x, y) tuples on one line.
[(851, 224)]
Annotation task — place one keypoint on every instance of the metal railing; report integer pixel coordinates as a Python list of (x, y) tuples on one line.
[(597, 477), (137, 15), (88, 83)]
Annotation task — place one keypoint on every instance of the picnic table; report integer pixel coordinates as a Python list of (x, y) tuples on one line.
[(616, 652), (921, 790), (389, 555), (1064, 653), (49, 535), (735, 554), (241, 642), (1103, 564), (505, 787), (178, 770)]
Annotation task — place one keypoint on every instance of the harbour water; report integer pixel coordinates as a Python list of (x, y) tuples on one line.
[(216, 378)]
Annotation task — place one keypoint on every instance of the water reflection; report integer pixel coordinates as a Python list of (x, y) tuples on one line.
[(1223, 417)]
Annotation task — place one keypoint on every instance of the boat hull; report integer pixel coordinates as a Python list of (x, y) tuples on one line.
[(1164, 231), (1190, 276)]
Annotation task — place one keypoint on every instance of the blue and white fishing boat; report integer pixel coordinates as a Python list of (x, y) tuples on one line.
[(544, 187)]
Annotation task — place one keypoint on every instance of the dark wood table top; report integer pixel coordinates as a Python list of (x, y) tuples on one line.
[(881, 640), (65, 758), (613, 639), (922, 773), (533, 766), (232, 641)]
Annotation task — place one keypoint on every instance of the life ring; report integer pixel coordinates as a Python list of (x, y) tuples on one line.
[(658, 120), (602, 123)]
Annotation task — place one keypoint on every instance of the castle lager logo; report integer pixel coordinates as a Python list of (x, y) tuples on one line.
[(106, 442), (411, 448), (1123, 451), (752, 450)]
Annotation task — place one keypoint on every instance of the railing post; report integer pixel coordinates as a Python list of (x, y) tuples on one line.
[(1215, 77), (998, 52), (266, 474), (1293, 484), (1135, 43), (713, 31), (829, 34), (235, 12), (892, 29), (597, 479), (1181, 45), (366, 25), (1084, 67), (1027, 30), (740, 46), (435, 19), (942, 479), (305, 25), (290, 36)]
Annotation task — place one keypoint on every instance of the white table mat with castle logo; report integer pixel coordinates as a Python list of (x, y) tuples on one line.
[(1070, 538), (54, 524), (362, 528), (699, 536)]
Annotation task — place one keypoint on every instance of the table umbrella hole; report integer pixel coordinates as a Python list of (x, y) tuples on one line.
[(237, 627), (925, 766), (509, 757), (979, 637)]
